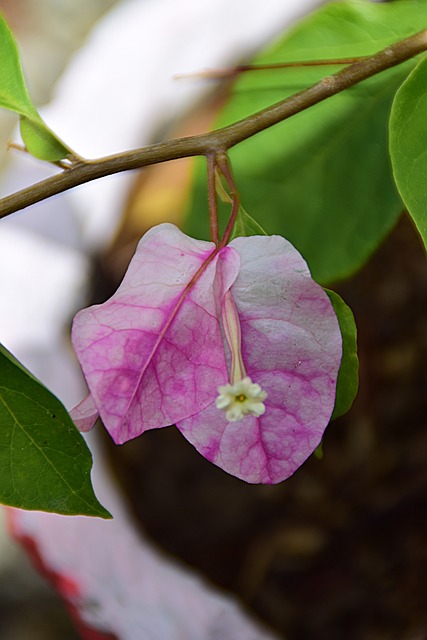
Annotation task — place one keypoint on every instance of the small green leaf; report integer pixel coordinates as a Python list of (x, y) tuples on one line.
[(246, 226), (408, 144), (318, 453), (348, 378), (39, 140), (44, 461)]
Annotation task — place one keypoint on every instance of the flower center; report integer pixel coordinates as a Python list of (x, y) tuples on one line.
[(241, 399), (241, 396)]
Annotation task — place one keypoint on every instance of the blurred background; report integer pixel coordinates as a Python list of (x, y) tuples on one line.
[(48, 33), (340, 549)]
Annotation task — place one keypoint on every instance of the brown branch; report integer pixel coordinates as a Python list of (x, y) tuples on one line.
[(221, 140)]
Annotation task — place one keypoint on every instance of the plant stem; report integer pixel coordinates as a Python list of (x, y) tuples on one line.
[(232, 72), (212, 201), (223, 165), (219, 141)]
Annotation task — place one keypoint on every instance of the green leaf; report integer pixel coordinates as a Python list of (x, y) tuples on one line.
[(246, 226), (348, 375), (44, 461), (13, 92), (408, 145), (322, 178), (318, 453), (39, 140)]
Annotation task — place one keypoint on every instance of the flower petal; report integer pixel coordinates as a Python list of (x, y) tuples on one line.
[(153, 354), (291, 346), (85, 414)]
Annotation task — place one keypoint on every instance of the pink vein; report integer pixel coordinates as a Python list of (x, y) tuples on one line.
[(168, 323)]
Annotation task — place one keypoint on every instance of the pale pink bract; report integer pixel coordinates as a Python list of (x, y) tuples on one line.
[(155, 354)]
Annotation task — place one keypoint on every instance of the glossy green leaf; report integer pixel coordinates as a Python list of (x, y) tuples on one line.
[(39, 140), (322, 178), (44, 461), (408, 145), (348, 375)]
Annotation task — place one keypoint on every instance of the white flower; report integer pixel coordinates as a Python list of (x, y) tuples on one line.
[(241, 399)]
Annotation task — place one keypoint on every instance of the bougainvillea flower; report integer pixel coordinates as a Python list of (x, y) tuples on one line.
[(239, 348)]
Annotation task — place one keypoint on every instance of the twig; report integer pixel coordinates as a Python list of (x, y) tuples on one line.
[(224, 166), (232, 72), (212, 201)]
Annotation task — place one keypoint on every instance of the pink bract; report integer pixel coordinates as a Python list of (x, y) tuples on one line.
[(155, 354)]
